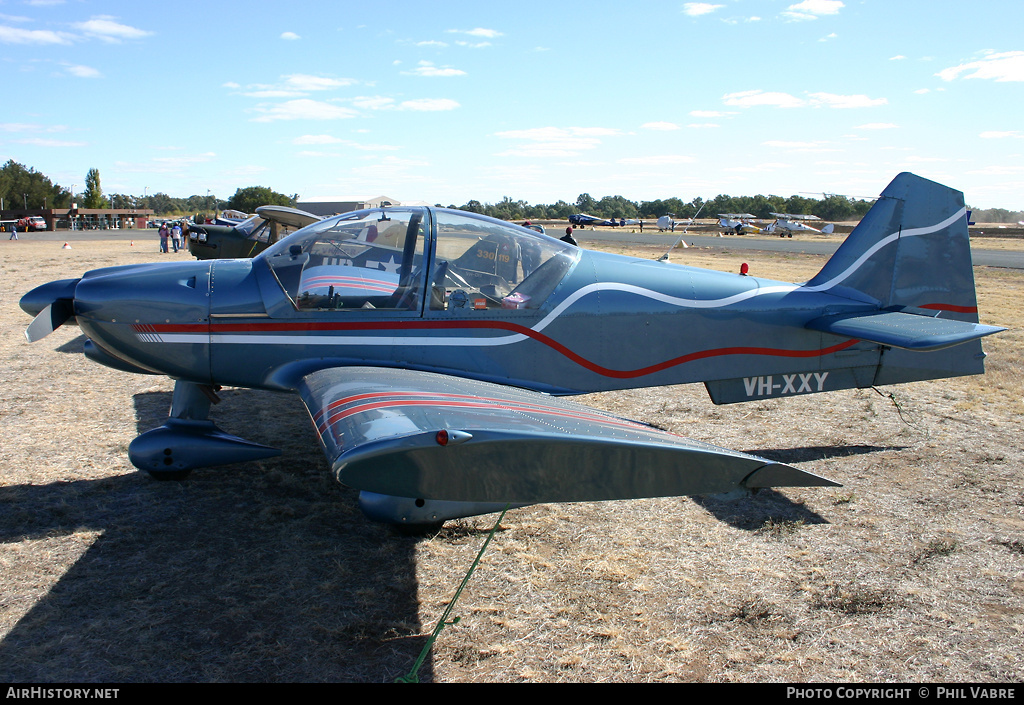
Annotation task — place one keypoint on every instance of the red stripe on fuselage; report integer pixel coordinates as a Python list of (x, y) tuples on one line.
[(314, 326), (951, 308)]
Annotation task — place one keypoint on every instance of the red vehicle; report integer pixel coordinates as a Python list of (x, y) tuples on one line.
[(32, 222)]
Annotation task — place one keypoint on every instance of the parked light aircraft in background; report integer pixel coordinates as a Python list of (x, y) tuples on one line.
[(431, 348), (789, 223), (582, 220), (249, 237), (739, 223)]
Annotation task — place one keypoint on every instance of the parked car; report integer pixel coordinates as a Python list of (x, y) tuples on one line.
[(32, 222)]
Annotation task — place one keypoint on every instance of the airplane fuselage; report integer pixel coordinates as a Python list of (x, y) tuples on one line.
[(613, 322)]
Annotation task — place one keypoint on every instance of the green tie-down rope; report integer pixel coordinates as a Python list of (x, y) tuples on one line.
[(413, 675)]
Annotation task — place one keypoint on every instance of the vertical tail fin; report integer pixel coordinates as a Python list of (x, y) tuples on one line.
[(911, 252)]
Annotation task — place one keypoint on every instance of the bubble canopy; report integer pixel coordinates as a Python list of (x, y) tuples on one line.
[(418, 259)]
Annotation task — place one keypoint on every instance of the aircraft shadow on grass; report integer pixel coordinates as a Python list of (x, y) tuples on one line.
[(251, 572), (768, 505)]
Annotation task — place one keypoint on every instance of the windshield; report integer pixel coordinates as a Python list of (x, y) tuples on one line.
[(481, 262), (377, 259), (360, 260)]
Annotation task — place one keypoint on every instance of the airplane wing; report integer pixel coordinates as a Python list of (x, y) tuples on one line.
[(292, 217), (407, 433)]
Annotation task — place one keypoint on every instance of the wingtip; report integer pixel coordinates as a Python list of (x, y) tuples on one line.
[(781, 475)]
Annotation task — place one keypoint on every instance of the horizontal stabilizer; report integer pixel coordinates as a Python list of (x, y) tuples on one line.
[(902, 330)]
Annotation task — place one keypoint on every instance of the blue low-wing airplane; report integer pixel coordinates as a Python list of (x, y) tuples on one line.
[(431, 348)]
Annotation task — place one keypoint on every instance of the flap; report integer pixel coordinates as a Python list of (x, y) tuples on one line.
[(419, 434)]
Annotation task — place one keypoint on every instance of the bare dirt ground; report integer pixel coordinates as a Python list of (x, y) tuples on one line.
[(913, 571)]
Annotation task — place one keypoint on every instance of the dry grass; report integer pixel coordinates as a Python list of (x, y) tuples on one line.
[(913, 571)]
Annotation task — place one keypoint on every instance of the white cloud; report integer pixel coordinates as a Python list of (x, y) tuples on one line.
[(658, 160), (847, 101), (1001, 170), (316, 139), (41, 142), (1000, 134), (273, 93), (290, 36), (828, 37), (105, 27), (373, 147), (293, 86), (373, 102), (83, 71), (757, 168), (696, 9), (428, 104), (303, 109), (811, 147), (747, 99), (330, 139), (782, 144), (812, 9), (555, 141), (1001, 67), (428, 69), (660, 126), (481, 32), (306, 82), (14, 35), (703, 125), (432, 43), (30, 127), (898, 57), (230, 84)]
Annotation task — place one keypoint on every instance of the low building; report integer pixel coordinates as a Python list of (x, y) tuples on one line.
[(83, 218), (331, 206)]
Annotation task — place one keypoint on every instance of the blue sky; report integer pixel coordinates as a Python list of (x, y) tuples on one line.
[(449, 100)]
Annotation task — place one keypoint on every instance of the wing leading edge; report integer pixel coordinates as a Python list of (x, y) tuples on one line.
[(424, 435)]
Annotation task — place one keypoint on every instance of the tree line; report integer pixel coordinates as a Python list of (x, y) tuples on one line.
[(830, 207), (22, 187)]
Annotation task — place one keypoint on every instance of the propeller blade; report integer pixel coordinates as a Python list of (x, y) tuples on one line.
[(50, 319)]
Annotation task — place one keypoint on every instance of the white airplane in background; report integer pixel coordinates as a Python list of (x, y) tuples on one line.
[(789, 223)]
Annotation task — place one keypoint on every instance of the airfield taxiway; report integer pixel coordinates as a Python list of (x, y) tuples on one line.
[(983, 255)]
